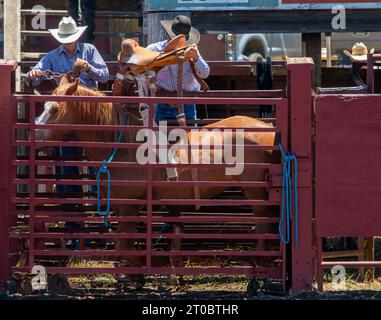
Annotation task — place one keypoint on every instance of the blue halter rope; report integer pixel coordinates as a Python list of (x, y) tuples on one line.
[(104, 169), (286, 209)]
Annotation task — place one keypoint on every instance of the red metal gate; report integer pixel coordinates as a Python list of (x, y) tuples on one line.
[(33, 229), (348, 159)]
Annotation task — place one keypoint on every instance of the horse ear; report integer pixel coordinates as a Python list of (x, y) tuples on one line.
[(72, 88), (64, 80)]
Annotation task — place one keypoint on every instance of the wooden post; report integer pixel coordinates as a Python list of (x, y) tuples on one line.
[(301, 130), (155, 32), (312, 45), (328, 43), (6, 109), (12, 33)]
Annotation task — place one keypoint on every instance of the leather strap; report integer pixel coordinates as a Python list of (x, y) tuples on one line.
[(180, 91), (202, 83)]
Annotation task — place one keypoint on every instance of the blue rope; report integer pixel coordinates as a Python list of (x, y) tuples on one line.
[(104, 169), (286, 210)]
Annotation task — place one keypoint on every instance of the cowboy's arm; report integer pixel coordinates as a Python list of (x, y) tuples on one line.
[(202, 68), (44, 64), (157, 47), (98, 70)]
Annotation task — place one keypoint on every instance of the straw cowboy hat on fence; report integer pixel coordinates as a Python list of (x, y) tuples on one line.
[(67, 31), (181, 25), (359, 52)]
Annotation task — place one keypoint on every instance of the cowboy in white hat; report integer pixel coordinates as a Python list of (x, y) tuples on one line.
[(92, 69), (61, 60), (359, 52)]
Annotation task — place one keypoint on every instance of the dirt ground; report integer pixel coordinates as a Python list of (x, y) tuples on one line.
[(197, 288)]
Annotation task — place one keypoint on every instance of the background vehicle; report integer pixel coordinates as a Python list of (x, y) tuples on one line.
[(275, 45)]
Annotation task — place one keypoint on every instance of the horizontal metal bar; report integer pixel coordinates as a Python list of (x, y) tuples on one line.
[(274, 273), (44, 33), (214, 253), (351, 264), (137, 183), (243, 63), (122, 145), (341, 254), (118, 164), (196, 218), (172, 122), (154, 100), (181, 202), (60, 235), (118, 253), (209, 219), (89, 219), (278, 93), (93, 127), (98, 14), (89, 253)]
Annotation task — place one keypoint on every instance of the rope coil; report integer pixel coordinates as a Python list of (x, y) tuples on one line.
[(286, 208)]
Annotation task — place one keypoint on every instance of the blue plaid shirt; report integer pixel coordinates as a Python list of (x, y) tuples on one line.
[(166, 78), (59, 61)]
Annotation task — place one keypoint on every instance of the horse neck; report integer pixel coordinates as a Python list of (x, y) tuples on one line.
[(117, 117)]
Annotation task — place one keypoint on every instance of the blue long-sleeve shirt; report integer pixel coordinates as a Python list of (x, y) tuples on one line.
[(59, 61)]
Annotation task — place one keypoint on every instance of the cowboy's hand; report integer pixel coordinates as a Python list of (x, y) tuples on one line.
[(82, 65), (193, 53), (33, 74)]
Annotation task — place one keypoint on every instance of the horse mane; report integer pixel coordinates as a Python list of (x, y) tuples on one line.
[(99, 113)]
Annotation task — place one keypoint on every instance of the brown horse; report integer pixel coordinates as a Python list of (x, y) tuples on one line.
[(109, 114)]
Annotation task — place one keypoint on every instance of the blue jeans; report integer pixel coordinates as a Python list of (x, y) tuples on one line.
[(68, 151), (165, 112)]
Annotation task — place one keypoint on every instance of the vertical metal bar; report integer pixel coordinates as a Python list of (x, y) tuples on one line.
[(32, 177), (370, 73), (151, 123), (6, 75), (328, 44), (319, 266), (300, 72), (282, 122)]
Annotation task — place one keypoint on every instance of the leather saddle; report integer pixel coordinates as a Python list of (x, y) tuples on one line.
[(140, 59)]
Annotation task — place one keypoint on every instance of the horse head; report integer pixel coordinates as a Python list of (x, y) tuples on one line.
[(60, 112)]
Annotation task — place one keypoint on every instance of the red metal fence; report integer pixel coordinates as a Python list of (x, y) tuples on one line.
[(224, 231), (348, 183)]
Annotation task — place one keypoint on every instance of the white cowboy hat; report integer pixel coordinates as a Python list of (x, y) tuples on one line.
[(67, 31), (359, 52)]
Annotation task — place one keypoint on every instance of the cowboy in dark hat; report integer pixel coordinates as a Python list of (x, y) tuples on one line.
[(166, 78)]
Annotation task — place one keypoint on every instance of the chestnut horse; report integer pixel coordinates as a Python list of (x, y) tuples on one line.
[(110, 114)]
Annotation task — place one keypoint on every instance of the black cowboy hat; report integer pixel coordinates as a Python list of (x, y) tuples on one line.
[(181, 25)]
